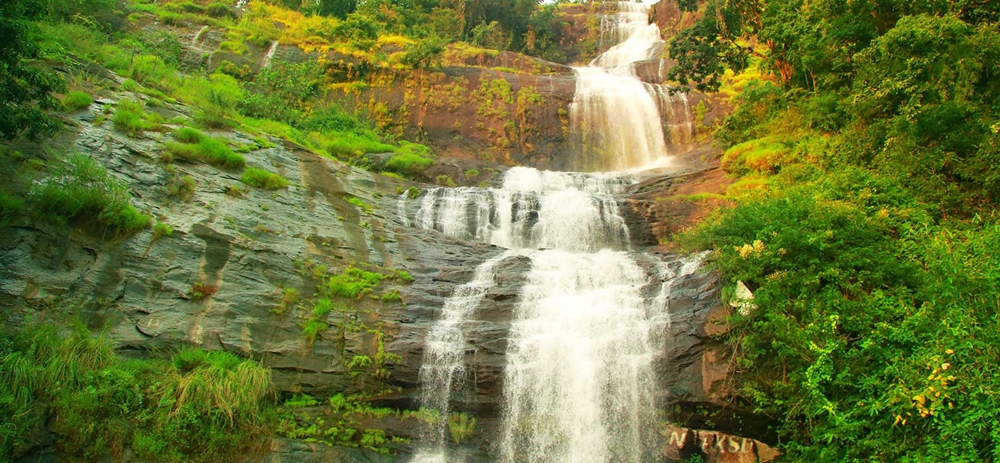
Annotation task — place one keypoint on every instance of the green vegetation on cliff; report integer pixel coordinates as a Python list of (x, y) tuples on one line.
[(864, 221), (196, 406)]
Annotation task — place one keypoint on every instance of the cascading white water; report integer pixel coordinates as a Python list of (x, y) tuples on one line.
[(579, 379), (634, 38), (197, 36), (444, 355), (578, 382), (534, 210), (617, 117), (269, 55)]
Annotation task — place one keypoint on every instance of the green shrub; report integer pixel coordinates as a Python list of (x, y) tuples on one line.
[(162, 230), (10, 206), (200, 290), (84, 190), (199, 407), (357, 202), (188, 135), (410, 159), (764, 155), (220, 10), (130, 123), (313, 328), (131, 119), (182, 187), (289, 297), (352, 283), (445, 180), (196, 146), (263, 179), (76, 101), (461, 427)]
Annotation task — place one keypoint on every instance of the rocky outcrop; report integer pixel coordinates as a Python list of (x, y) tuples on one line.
[(670, 200), (715, 447), (668, 15)]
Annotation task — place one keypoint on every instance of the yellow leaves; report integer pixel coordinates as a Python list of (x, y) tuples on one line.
[(746, 250)]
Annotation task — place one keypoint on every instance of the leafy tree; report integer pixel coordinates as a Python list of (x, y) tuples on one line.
[(25, 89)]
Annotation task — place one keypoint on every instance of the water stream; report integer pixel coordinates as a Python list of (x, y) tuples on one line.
[(270, 54), (589, 322), (619, 121)]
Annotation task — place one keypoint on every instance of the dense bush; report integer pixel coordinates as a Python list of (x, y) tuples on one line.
[(76, 101), (202, 406), (192, 145), (83, 190), (411, 159), (261, 178)]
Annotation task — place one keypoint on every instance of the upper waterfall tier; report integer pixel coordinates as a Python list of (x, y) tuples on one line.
[(634, 37), (618, 121), (533, 210)]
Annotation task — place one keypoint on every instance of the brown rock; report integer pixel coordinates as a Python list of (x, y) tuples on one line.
[(714, 446)]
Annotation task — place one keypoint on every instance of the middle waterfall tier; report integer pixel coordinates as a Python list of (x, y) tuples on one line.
[(533, 210)]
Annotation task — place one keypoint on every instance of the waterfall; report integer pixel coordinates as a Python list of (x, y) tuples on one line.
[(534, 210), (578, 385), (197, 36), (590, 321), (270, 54), (615, 117), (579, 379), (634, 37), (444, 355)]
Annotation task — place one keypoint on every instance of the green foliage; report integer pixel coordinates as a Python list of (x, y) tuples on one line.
[(131, 119), (196, 146), (357, 202), (263, 179), (181, 187), (313, 328), (83, 190), (352, 283), (762, 155), (403, 276), (162, 230), (25, 89), (461, 427), (445, 180), (410, 159), (852, 277), (200, 290), (76, 101), (289, 297), (199, 407), (391, 296)]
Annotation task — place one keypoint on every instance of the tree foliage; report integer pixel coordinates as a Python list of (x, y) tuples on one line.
[(865, 224), (25, 89)]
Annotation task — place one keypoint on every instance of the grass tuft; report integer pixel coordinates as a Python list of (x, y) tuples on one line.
[(263, 179), (77, 101)]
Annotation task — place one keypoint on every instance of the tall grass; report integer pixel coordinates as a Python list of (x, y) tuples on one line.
[(201, 406), (82, 189), (192, 145), (261, 178)]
